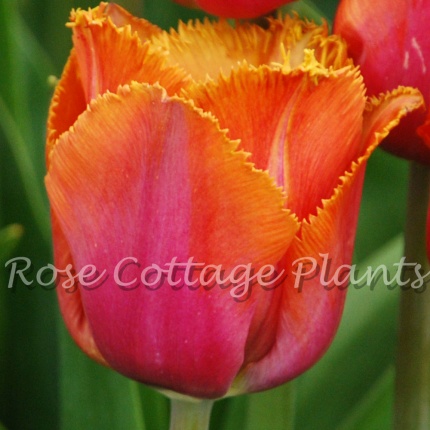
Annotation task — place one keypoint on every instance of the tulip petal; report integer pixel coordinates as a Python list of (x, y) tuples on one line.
[(379, 110), (208, 49), (423, 131), (110, 56), (311, 305), (122, 18), (389, 55), (379, 48), (118, 59), (236, 9), (146, 176), (311, 110), (67, 104), (70, 299)]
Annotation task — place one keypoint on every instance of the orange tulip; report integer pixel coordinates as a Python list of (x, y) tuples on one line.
[(235, 148), (235, 9), (389, 40)]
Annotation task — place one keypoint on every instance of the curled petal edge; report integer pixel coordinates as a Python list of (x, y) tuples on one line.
[(271, 370)]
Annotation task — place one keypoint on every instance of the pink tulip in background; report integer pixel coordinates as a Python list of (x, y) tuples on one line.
[(235, 9), (390, 42)]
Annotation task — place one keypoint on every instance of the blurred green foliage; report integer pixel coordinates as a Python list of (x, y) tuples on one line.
[(47, 383)]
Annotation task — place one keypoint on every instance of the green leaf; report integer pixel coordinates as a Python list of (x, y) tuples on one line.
[(9, 238), (375, 410), (31, 50), (279, 402), (229, 414), (381, 219), (166, 13), (11, 69), (32, 186), (362, 350), (16, 121), (95, 397)]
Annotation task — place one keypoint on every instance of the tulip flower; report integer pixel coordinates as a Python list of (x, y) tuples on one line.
[(173, 154), (235, 9), (389, 40)]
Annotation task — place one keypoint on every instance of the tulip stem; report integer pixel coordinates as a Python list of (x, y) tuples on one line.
[(190, 415), (412, 390)]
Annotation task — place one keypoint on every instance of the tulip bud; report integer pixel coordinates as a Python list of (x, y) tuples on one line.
[(390, 42), (235, 9)]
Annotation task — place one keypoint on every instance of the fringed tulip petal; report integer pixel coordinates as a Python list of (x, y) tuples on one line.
[(207, 49), (379, 112), (409, 146), (121, 18), (311, 300), (110, 56), (67, 103), (290, 139), (309, 312), (191, 195)]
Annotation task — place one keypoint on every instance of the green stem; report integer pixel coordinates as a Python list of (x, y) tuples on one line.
[(190, 414), (136, 405), (280, 401), (412, 396)]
